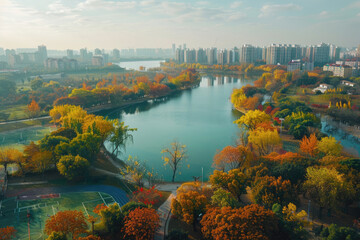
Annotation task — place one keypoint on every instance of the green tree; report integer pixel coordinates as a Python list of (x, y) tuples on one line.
[(324, 186), (36, 83), (73, 167), (86, 145), (120, 136), (329, 146), (234, 181), (49, 142), (111, 220), (223, 198)]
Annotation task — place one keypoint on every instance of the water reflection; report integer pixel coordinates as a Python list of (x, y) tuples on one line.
[(201, 118), (333, 128)]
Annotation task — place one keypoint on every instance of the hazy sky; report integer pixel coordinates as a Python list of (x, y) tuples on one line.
[(62, 24)]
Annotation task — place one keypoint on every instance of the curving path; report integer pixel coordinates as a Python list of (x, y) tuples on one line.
[(119, 195)]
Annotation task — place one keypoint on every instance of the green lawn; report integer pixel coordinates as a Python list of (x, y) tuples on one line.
[(13, 112), (22, 136), (15, 212)]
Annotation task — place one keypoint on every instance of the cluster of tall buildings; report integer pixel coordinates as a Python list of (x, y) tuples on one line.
[(273, 54), (14, 58)]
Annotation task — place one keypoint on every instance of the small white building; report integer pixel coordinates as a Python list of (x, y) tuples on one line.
[(347, 83), (323, 87)]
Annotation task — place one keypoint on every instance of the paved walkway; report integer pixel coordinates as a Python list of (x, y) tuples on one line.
[(27, 183), (164, 210)]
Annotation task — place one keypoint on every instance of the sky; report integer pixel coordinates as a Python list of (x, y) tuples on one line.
[(108, 24)]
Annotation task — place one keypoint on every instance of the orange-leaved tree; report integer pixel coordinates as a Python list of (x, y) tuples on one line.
[(188, 205), (269, 190), (70, 223), (308, 145), (7, 233), (33, 109), (141, 224), (232, 157), (250, 222)]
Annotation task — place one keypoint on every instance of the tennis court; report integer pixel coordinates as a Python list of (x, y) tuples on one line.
[(31, 211)]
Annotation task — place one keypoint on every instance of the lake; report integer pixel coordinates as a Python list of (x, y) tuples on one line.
[(201, 118)]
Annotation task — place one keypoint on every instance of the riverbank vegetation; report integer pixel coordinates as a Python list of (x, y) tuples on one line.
[(90, 90), (288, 190), (72, 151)]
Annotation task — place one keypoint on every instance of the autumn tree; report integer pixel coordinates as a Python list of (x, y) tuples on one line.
[(189, 203), (111, 220), (41, 161), (269, 190), (264, 142), (7, 233), (325, 187), (130, 206), (232, 157), (90, 237), (11, 155), (33, 109), (141, 224), (120, 135), (174, 156), (234, 181), (73, 167), (250, 222), (252, 118), (57, 236), (98, 125), (223, 198), (329, 146), (70, 223), (308, 145)]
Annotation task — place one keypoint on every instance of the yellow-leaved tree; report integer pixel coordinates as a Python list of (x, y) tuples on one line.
[(329, 146), (264, 141), (253, 118)]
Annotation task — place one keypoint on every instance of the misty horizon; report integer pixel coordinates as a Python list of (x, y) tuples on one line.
[(63, 24)]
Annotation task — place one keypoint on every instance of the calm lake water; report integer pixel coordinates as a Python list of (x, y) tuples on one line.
[(200, 118)]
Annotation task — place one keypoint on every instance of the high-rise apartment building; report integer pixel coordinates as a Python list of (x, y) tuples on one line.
[(273, 54), (83, 55), (42, 51), (247, 54), (116, 54), (179, 55), (189, 56), (200, 56), (321, 54), (334, 54), (221, 57), (211, 55), (70, 53)]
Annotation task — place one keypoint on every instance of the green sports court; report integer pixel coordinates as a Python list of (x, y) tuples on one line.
[(29, 212)]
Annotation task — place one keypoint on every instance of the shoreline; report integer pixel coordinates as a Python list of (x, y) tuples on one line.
[(95, 109)]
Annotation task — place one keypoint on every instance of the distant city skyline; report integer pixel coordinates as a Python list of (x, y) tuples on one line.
[(66, 24)]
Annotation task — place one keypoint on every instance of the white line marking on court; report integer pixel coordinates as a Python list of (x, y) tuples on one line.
[(102, 198), (85, 209), (53, 209)]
